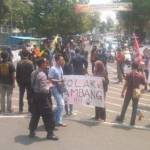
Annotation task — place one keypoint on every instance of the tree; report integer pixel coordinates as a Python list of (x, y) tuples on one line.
[(110, 23), (83, 1), (50, 18), (15, 13), (47, 17), (103, 27), (138, 19), (21, 12), (4, 10)]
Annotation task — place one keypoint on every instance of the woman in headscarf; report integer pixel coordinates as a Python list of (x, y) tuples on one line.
[(100, 71)]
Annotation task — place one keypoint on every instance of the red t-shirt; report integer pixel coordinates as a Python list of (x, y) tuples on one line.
[(119, 57), (134, 80)]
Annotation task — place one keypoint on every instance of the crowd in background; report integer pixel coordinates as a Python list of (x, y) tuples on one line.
[(40, 72)]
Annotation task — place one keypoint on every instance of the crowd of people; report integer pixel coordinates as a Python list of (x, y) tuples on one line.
[(40, 73)]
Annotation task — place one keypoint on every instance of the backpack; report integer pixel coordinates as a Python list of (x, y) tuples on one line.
[(4, 69)]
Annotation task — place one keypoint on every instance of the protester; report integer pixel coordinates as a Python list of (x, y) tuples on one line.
[(68, 70), (9, 51), (23, 77), (142, 72), (100, 71), (41, 105), (22, 51), (101, 55), (133, 80), (79, 63), (36, 53), (93, 57), (56, 76), (146, 59), (148, 73), (7, 81), (120, 65)]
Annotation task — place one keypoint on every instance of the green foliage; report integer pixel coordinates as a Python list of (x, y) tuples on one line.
[(110, 24), (47, 17), (138, 18), (103, 27), (21, 14), (4, 10), (50, 18)]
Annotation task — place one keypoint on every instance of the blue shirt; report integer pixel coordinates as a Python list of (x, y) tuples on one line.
[(55, 72)]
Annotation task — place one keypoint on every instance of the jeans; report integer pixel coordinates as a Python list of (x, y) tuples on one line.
[(134, 108), (6, 90), (120, 72), (59, 105)]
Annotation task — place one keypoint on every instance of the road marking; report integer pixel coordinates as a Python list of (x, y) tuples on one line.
[(15, 116), (127, 126), (121, 100), (114, 104), (123, 125), (119, 88)]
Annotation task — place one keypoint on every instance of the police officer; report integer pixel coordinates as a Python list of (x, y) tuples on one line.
[(41, 105)]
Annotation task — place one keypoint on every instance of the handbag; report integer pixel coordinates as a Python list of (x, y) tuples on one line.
[(136, 93)]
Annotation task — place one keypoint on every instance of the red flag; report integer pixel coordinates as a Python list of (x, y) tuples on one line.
[(136, 48)]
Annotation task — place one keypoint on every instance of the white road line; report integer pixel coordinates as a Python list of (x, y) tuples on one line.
[(118, 93), (15, 116), (127, 116), (116, 88), (120, 88), (114, 104), (76, 112), (127, 126), (112, 124), (121, 100)]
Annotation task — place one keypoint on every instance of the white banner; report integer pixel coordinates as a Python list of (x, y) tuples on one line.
[(85, 90)]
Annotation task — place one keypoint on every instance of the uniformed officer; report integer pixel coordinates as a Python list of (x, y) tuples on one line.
[(41, 105)]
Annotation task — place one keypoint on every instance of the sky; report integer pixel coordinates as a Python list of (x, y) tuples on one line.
[(105, 14), (99, 1)]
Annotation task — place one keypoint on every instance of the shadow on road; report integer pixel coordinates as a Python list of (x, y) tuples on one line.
[(147, 126), (41, 128), (147, 108), (121, 126), (129, 127), (86, 122), (26, 140)]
